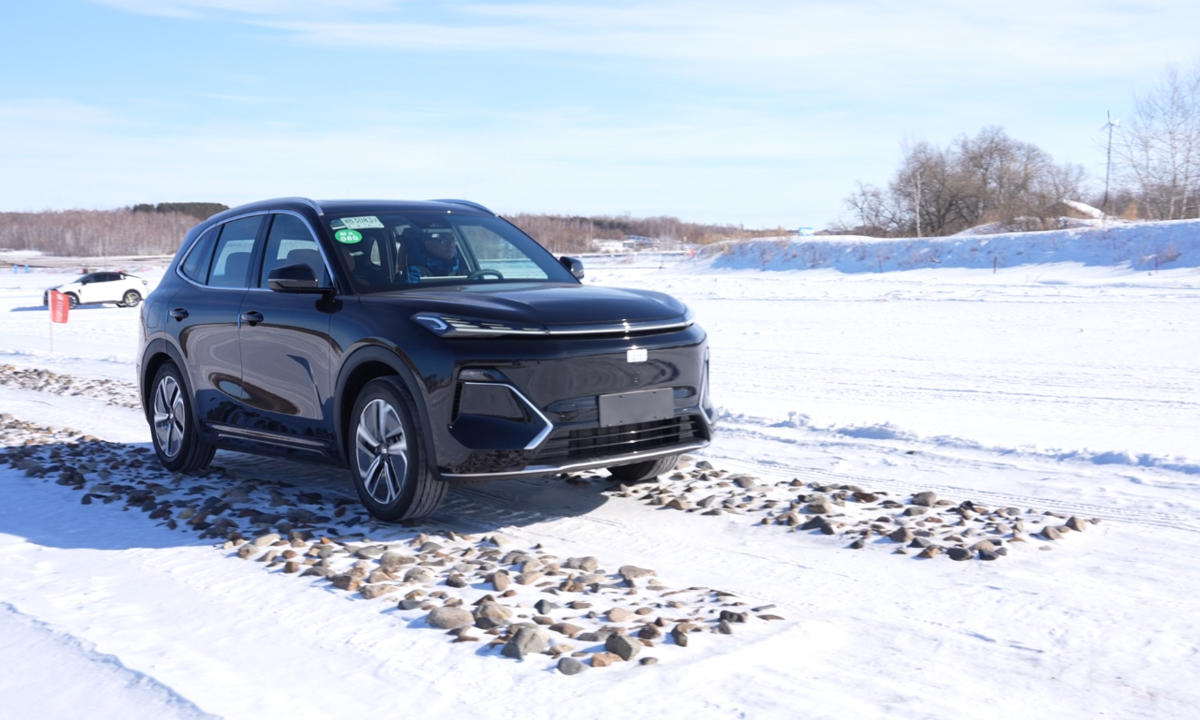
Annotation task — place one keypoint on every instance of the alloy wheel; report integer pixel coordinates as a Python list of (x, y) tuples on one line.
[(169, 416), (381, 451)]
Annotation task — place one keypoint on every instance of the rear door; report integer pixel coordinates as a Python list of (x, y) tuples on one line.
[(203, 317)]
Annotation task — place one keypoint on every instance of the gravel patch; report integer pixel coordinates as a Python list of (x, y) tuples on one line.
[(921, 525), (113, 392), (516, 598)]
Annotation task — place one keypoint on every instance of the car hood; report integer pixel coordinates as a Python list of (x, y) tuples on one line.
[(551, 304)]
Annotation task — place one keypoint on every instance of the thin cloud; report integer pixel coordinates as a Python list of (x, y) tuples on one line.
[(949, 36)]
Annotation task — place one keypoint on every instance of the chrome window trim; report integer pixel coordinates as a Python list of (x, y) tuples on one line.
[(193, 245), (316, 238), (316, 206), (320, 248)]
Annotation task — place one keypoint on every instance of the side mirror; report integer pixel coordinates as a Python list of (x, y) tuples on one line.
[(575, 265), (298, 278)]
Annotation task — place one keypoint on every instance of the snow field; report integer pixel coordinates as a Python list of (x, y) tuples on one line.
[(1070, 387)]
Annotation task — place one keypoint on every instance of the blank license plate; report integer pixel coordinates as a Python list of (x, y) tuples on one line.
[(635, 407)]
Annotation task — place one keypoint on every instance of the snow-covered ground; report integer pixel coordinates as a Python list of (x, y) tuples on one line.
[(1071, 386)]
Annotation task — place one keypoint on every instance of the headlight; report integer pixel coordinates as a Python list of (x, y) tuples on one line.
[(457, 326)]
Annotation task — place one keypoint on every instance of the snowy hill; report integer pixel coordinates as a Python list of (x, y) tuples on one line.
[(1137, 246)]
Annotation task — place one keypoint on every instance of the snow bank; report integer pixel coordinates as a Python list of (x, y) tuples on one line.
[(1138, 246)]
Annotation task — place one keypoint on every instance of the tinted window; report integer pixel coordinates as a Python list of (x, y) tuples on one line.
[(195, 266), (231, 262), (290, 243), (391, 250), (494, 252)]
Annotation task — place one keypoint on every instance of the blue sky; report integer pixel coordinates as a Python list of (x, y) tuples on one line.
[(761, 113)]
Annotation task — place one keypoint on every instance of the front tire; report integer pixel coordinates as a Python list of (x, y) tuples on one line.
[(72, 300), (177, 442), (130, 299), (642, 471), (387, 454)]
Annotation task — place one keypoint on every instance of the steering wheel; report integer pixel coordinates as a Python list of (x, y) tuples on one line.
[(484, 272)]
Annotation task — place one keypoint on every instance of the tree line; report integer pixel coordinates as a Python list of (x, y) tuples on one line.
[(574, 233), (1015, 185), (95, 233), (159, 229), (199, 210)]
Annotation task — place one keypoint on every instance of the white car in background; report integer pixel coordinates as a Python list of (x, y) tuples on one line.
[(102, 287)]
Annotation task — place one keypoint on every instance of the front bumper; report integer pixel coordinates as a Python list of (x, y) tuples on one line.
[(542, 416)]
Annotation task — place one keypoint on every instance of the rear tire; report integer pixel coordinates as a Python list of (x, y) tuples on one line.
[(177, 441), (387, 454), (642, 471)]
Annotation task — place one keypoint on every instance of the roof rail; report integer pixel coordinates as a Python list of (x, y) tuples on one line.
[(468, 203), (307, 201)]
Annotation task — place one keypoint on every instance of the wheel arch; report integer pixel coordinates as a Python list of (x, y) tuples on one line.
[(157, 353), (361, 367)]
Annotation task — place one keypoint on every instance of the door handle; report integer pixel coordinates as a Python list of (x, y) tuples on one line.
[(252, 318), (178, 313)]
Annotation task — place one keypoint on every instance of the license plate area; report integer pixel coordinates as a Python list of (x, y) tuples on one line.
[(635, 407)]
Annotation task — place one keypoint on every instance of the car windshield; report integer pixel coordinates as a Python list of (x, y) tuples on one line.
[(388, 250)]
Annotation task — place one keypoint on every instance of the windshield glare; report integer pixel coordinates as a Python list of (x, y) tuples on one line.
[(386, 251)]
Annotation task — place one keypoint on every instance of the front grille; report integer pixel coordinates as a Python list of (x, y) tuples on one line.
[(565, 445)]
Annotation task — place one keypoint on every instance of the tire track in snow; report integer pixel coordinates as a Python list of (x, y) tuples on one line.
[(98, 683)]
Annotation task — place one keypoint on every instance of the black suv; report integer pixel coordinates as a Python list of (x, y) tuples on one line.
[(418, 344)]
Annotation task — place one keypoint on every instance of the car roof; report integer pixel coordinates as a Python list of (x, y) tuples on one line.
[(341, 207)]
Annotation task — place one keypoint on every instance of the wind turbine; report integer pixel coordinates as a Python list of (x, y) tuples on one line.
[(1110, 126)]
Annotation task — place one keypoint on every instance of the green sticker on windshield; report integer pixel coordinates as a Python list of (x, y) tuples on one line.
[(348, 237)]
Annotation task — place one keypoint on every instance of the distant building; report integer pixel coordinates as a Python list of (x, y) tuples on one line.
[(806, 232), (609, 246), (641, 242), (631, 243)]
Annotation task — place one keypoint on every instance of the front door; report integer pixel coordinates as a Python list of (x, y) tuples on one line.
[(286, 348)]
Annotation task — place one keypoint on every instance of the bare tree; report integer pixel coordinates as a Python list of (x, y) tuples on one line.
[(563, 234), (95, 232), (990, 177), (1158, 150)]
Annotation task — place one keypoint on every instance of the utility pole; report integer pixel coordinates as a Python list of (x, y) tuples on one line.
[(918, 208), (1108, 165)]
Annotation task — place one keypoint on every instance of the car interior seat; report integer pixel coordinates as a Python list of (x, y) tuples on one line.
[(369, 267), (236, 265)]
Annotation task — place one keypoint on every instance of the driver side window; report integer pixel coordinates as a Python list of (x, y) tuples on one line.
[(290, 243)]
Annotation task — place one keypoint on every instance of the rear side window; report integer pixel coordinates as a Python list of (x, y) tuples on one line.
[(195, 266), (291, 243), (231, 262)]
